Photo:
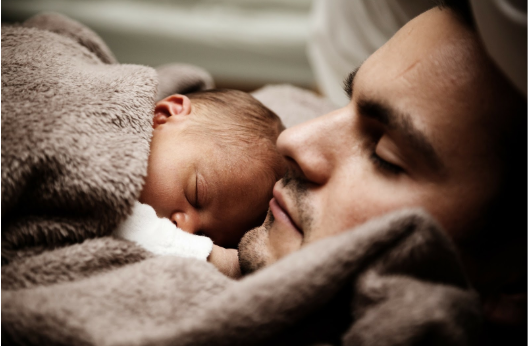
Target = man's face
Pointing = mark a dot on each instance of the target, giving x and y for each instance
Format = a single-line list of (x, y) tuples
[(418, 132), (202, 187)]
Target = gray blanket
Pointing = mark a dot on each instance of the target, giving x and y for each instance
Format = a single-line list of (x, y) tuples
[(75, 141)]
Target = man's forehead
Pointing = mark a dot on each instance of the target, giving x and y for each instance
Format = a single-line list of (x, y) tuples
[(433, 42), (422, 70), (434, 91)]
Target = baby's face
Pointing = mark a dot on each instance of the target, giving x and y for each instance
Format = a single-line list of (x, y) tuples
[(202, 188)]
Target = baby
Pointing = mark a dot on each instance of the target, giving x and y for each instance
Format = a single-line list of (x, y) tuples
[(211, 171)]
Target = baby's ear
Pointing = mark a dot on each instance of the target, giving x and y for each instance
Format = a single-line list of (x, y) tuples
[(177, 106)]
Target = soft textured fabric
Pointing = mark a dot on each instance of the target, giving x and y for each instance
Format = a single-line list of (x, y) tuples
[(181, 79), (76, 129), (160, 236), (293, 105), (75, 136), (393, 281)]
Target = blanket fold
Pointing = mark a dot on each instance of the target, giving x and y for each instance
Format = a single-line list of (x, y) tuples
[(167, 300), (64, 26), (76, 128), (75, 138)]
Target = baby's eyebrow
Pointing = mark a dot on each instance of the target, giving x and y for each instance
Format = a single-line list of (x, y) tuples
[(402, 123)]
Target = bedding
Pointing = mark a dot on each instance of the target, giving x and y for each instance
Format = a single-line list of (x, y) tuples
[(76, 127)]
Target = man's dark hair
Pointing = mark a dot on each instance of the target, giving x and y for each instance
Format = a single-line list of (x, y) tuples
[(461, 7)]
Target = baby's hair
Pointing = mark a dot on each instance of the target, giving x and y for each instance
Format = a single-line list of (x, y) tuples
[(236, 119)]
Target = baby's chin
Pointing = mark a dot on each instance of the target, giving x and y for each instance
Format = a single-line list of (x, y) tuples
[(253, 249)]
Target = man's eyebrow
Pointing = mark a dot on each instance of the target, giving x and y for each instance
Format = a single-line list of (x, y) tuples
[(348, 83), (402, 123)]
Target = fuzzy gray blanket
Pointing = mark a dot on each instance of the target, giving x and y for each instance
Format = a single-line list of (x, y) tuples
[(75, 141)]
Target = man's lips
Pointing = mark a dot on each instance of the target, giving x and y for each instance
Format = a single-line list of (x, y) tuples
[(280, 211)]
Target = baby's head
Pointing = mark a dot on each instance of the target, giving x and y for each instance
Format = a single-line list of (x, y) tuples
[(213, 163)]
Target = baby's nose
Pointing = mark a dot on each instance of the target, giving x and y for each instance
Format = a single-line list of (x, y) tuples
[(188, 222)]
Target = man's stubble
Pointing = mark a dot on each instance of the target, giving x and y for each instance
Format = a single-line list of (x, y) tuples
[(253, 249)]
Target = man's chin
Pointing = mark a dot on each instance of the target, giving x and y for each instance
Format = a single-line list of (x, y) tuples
[(253, 249)]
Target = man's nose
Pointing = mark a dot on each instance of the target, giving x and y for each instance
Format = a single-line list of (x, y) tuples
[(310, 145), (186, 220)]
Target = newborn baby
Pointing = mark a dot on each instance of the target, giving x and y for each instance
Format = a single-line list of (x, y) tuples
[(211, 171)]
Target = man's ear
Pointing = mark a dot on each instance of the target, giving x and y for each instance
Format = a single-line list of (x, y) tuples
[(176, 106)]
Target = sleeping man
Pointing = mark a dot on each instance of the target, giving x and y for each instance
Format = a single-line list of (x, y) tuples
[(431, 124)]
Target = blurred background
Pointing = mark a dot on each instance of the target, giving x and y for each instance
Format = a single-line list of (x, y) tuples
[(244, 44)]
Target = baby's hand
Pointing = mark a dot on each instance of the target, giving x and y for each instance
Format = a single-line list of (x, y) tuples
[(226, 260)]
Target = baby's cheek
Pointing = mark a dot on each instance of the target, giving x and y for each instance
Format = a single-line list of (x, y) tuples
[(146, 192), (246, 205), (256, 213), (156, 194)]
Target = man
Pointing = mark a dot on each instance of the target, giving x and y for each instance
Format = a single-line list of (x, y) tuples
[(432, 123)]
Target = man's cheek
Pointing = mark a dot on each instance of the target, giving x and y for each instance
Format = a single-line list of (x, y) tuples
[(337, 212)]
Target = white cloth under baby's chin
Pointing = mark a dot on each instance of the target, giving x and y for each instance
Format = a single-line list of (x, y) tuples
[(160, 236)]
